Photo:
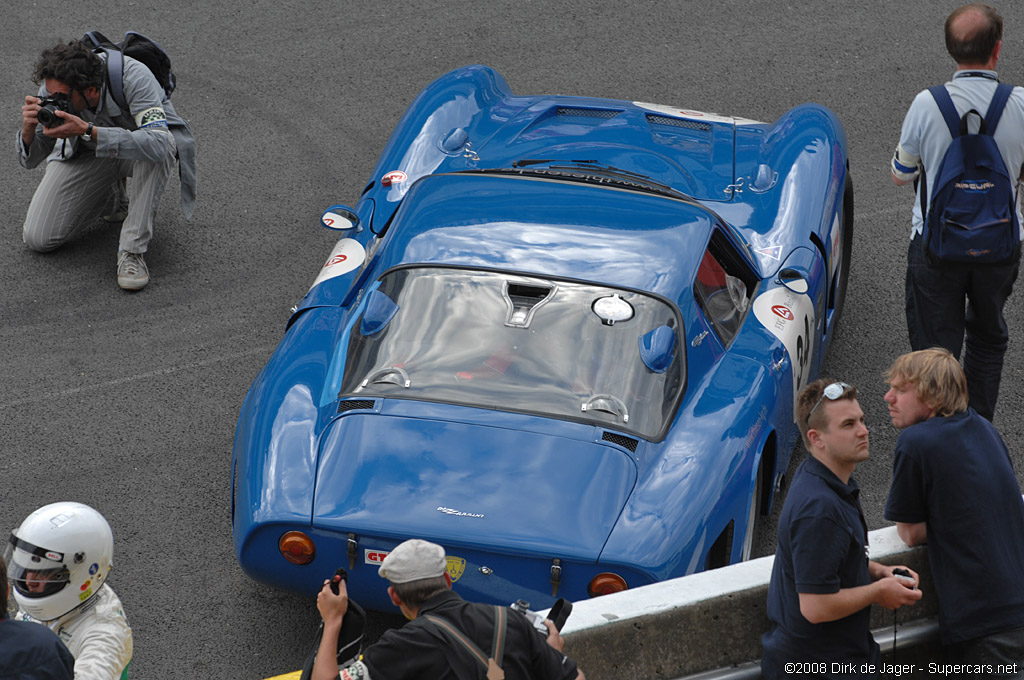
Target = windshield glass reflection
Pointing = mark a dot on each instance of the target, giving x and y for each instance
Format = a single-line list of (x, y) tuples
[(517, 343)]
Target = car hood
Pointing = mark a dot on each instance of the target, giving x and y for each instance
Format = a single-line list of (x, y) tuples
[(469, 484)]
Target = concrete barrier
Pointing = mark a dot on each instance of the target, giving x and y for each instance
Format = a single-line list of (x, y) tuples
[(709, 621)]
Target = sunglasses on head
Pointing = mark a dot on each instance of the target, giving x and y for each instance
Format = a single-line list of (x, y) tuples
[(832, 391)]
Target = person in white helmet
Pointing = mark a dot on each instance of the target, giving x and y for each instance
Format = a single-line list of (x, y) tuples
[(58, 562)]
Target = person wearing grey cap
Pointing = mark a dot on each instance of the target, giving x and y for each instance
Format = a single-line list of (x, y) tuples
[(446, 638)]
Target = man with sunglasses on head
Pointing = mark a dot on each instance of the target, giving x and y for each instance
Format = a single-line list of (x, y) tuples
[(954, 488), (91, 146), (822, 582)]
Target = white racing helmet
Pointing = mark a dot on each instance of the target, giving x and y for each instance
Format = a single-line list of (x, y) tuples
[(58, 559)]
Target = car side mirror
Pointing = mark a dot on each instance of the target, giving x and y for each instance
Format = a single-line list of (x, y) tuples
[(339, 218)]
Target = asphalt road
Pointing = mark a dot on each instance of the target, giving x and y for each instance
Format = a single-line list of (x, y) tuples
[(128, 401)]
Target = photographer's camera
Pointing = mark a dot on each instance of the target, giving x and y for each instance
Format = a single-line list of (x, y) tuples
[(47, 115)]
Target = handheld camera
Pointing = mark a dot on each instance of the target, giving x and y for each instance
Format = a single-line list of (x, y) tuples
[(47, 115)]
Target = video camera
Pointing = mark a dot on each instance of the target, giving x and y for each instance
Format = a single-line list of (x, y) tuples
[(47, 115)]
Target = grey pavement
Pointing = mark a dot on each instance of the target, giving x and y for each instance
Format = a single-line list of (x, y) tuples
[(128, 402)]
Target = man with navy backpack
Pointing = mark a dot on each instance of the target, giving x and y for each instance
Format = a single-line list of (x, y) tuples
[(95, 125), (962, 144)]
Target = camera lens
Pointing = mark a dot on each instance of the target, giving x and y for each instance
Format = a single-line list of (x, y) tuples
[(47, 117)]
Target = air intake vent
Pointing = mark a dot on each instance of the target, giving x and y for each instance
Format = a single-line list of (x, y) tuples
[(354, 404), (587, 113), (678, 122), (622, 440)]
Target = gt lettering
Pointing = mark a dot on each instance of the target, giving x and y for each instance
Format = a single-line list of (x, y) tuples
[(375, 556)]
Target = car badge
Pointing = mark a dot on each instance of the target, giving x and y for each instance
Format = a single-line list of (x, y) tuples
[(455, 567), (459, 513)]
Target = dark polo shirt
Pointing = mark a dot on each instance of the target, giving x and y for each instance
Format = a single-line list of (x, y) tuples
[(822, 548)]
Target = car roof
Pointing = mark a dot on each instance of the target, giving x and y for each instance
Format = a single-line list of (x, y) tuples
[(554, 228)]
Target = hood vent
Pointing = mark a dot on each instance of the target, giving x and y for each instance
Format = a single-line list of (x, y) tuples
[(678, 122), (580, 112), (354, 404), (622, 440)]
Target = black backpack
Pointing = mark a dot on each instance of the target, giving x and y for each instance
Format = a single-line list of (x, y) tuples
[(972, 217), (138, 47)]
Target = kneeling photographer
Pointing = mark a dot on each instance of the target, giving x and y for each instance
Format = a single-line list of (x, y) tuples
[(92, 144), (446, 638)]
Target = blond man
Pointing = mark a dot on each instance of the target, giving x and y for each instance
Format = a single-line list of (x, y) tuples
[(954, 487)]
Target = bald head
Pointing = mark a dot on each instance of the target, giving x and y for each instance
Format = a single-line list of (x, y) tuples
[(973, 35)]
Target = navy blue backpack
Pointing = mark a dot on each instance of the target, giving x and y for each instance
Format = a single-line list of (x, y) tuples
[(972, 217)]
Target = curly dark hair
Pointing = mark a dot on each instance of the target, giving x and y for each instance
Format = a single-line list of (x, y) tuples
[(73, 64)]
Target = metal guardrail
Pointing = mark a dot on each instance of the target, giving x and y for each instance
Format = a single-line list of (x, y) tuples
[(907, 635)]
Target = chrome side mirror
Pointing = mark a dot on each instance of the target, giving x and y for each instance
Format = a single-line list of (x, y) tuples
[(339, 218)]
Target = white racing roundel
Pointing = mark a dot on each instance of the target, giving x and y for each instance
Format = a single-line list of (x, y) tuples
[(347, 255), (790, 318)]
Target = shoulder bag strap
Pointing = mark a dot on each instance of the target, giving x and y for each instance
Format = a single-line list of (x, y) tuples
[(498, 642), (454, 633)]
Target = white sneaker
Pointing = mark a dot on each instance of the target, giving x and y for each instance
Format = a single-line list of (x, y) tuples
[(131, 271)]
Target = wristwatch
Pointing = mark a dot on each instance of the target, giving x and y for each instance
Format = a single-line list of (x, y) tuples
[(88, 133)]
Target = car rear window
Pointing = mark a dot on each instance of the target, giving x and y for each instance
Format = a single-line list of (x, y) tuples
[(555, 348)]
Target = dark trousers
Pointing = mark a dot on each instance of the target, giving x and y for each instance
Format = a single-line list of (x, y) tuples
[(945, 302), (1004, 652)]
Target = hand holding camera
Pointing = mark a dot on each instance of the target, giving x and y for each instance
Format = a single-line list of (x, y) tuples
[(55, 113), (905, 576)]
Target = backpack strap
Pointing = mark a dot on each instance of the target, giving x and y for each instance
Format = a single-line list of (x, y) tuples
[(947, 108), (996, 106), (115, 67)]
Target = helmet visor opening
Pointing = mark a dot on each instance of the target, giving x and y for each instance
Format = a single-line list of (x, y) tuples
[(33, 571)]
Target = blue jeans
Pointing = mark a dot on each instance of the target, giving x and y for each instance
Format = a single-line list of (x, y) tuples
[(945, 302)]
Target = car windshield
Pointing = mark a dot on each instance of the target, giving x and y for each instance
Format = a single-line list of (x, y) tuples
[(549, 347)]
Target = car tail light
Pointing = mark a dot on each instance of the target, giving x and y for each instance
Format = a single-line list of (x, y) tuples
[(605, 584), (297, 547)]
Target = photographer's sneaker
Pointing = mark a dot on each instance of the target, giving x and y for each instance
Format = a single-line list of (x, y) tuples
[(131, 271)]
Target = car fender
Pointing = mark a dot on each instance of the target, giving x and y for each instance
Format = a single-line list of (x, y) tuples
[(792, 176), (474, 99), (274, 455), (700, 499)]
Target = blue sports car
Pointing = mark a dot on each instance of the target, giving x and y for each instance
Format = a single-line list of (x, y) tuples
[(560, 336)]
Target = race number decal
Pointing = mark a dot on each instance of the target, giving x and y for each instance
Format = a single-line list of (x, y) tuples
[(790, 317), (348, 255)]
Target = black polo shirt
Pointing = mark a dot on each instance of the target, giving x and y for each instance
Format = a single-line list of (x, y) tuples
[(417, 651), (955, 474), (822, 548)]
